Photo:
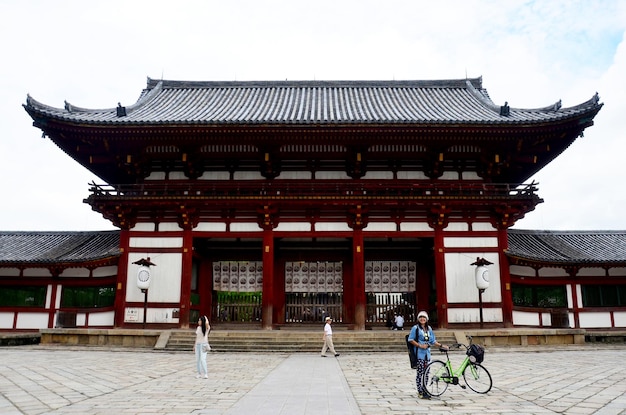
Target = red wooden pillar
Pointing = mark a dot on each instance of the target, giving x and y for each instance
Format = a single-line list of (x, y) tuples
[(505, 279), (54, 287), (358, 280), (267, 303), (440, 279), (185, 282), (122, 279)]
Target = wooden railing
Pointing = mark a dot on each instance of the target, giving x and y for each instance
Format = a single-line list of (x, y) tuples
[(298, 189)]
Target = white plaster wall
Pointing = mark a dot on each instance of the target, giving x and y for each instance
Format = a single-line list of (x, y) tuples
[(75, 272), (470, 175), (81, 319), (156, 175), (100, 319), (449, 175), (590, 320), (474, 242), (617, 272), (570, 297), (57, 301), (579, 294), (155, 242), (522, 271), (522, 318), (210, 227), (591, 272), (461, 281), (9, 272), (248, 175), (331, 175), (293, 227), (412, 175), (37, 272), (300, 175), (105, 271), (620, 318), (332, 226), (457, 226), (169, 227), (380, 226), (482, 226), (165, 281), (383, 175), (153, 315), (245, 227), (177, 175), (6, 320), (32, 320), (215, 175), (415, 227), (552, 272), (472, 315), (144, 226)]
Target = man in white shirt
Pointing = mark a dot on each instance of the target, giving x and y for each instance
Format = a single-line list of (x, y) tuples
[(399, 322), (328, 338)]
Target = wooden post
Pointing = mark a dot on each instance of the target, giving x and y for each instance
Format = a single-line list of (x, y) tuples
[(358, 279), (267, 303)]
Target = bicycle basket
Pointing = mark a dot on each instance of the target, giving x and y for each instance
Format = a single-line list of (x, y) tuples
[(476, 353)]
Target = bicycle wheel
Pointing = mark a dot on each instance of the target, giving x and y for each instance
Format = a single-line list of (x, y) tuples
[(477, 378), (436, 378)]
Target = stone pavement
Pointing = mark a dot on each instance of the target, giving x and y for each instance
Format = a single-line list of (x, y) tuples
[(59, 380)]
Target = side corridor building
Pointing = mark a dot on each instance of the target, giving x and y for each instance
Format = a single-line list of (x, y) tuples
[(272, 204)]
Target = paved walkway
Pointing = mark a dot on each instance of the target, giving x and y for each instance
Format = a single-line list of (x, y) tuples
[(57, 380)]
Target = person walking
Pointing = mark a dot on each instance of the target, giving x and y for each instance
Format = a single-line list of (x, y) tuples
[(201, 346), (422, 338), (328, 338)]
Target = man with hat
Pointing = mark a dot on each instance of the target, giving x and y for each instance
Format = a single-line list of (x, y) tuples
[(328, 338)]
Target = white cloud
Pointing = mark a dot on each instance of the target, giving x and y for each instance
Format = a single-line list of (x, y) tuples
[(95, 54)]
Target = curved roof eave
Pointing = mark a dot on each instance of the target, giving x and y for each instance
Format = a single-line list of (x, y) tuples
[(154, 110)]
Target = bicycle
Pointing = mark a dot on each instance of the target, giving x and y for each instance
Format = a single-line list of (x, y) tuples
[(438, 375)]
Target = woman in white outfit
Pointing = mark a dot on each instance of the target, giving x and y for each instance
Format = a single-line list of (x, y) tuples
[(201, 346)]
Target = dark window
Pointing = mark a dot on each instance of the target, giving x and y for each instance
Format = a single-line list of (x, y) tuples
[(88, 297), (544, 296), (23, 296), (604, 295)]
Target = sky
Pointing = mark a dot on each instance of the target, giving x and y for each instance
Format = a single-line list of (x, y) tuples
[(95, 54)]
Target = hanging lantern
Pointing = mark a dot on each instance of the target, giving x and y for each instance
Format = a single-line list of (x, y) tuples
[(143, 273), (482, 277), (143, 277), (481, 273)]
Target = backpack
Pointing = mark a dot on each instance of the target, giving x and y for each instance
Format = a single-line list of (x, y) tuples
[(412, 354), (476, 353)]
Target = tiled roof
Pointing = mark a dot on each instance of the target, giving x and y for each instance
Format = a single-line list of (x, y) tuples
[(313, 102), (568, 247), (57, 247), (557, 247)]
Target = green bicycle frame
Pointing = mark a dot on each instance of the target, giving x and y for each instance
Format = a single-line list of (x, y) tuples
[(438, 375)]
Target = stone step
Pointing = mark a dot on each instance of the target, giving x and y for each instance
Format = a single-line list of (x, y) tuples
[(298, 340)]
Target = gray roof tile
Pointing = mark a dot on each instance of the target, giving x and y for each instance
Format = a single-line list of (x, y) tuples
[(312, 102), (568, 247), (558, 247), (57, 247)]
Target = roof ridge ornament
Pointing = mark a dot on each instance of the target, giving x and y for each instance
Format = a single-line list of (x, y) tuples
[(505, 110), (484, 100), (121, 111)]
